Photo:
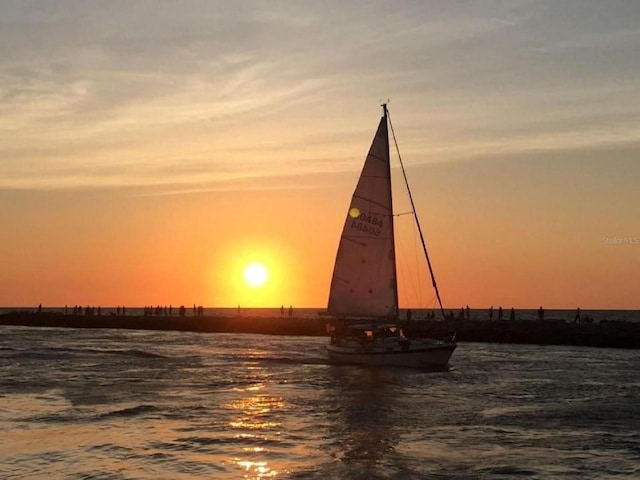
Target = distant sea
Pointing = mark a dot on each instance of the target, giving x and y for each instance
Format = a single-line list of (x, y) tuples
[(116, 404), (480, 314)]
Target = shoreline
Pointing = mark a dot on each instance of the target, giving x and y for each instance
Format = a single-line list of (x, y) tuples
[(607, 334)]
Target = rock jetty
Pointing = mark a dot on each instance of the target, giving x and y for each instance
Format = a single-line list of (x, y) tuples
[(609, 334)]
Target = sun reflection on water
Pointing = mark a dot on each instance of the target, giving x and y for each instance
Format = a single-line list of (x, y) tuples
[(254, 416), (256, 469)]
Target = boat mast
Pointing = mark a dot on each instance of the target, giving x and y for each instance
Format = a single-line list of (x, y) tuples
[(396, 313), (415, 215)]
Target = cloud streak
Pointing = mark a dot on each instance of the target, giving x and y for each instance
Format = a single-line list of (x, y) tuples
[(154, 92)]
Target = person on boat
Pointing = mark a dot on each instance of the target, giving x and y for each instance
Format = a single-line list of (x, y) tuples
[(333, 333), (368, 339)]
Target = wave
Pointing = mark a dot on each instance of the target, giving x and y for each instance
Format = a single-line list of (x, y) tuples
[(133, 353), (53, 352), (205, 444), (130, 412), (75, 416), (291, 360), (294, 359)]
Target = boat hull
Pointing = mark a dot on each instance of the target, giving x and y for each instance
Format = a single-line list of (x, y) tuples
[(430, 356)]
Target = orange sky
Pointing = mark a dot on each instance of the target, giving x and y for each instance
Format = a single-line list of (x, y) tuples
[(501, 233), (147, 159)]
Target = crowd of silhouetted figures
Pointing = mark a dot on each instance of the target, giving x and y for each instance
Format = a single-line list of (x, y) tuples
[(149, 311), (465, 314), (88, 311), (167, 311)]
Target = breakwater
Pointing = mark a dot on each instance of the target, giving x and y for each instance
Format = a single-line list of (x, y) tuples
[(611, 334)]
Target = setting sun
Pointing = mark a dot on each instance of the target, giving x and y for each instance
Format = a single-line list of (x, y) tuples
[(256, 274)]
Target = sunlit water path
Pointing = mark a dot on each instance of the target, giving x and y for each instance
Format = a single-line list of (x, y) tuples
[(137, 405)]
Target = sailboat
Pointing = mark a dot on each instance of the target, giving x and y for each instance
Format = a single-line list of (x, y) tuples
[(363, 298)]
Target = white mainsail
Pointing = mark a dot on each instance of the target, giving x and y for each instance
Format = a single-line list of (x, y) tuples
[(364, 276)]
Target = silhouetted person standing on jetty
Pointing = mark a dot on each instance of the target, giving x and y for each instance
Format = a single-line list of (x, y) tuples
[(290, 310), (499, 314), (491, 313), (577, 319), (512, 315), (282, 310), (468, 311), (541, 313)]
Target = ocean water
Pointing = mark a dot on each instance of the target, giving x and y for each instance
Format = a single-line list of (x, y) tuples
[(112, 404)]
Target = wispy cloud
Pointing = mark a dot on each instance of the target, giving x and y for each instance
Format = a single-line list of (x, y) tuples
[(154, 93)]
